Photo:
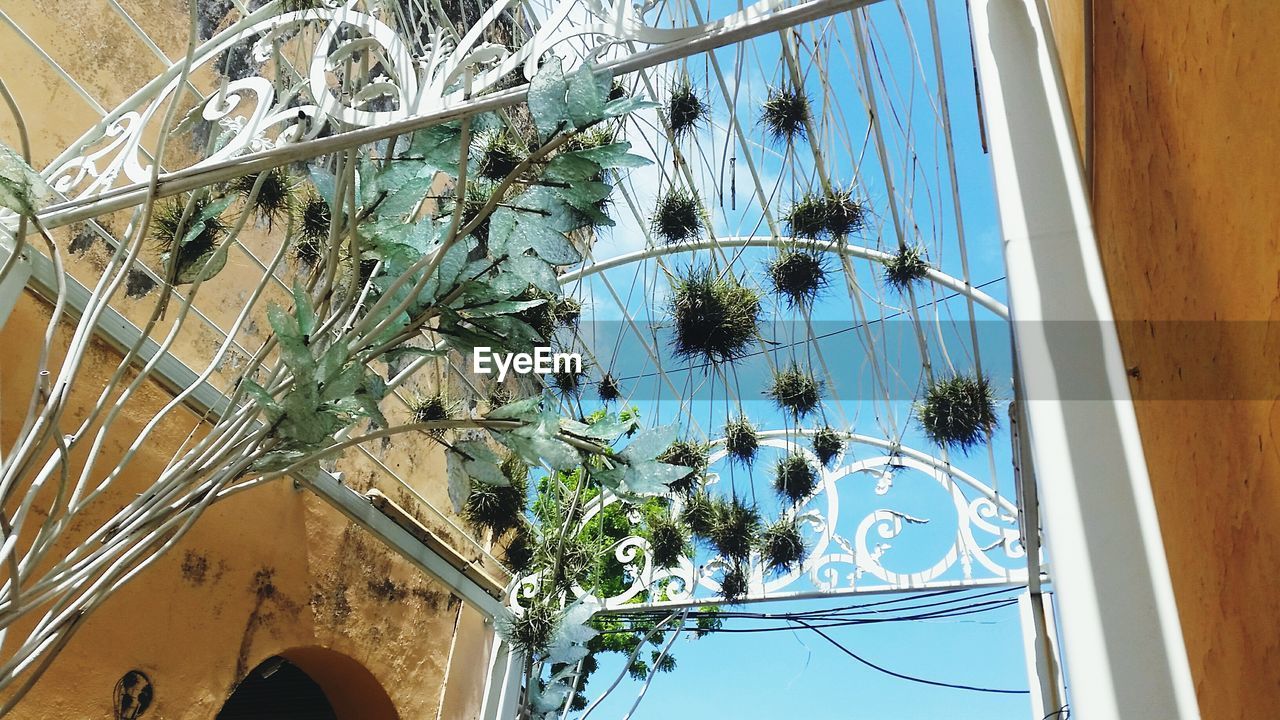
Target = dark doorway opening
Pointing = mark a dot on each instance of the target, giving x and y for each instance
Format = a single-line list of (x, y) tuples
[(277, 690)]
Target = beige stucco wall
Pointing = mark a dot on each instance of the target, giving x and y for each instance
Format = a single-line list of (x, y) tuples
[(1184, 188), (273, 570)]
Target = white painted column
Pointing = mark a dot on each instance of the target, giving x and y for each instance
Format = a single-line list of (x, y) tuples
[(502, 686), (1121, 637), (12, 284)]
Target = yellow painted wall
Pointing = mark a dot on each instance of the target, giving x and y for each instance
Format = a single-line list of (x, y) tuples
[(271, 571), (1184, 188)]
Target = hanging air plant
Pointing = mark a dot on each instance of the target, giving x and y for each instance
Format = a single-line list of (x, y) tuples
[(733, 584), (667, 538), (715, 317), (531, 631), (313, 228), (677, 217), (499, 396), (794, 478), (519, 553), (782, 547), (495, 507), (432, 408), (827, 444), (552, 314), (958, 412), (276, 196), (798, 276), (687, 454), (906, 268), (193, 241), (795, 391), (607, 389), (825, 216), (741, 440), (568, 380), (501, 154), (785, 114), (700, 512), (735, 529), (685, 109)]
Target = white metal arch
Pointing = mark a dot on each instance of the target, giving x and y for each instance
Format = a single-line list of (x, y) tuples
[(933, 274)]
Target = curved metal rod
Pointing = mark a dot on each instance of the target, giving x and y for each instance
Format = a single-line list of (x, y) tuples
[(933, 274)]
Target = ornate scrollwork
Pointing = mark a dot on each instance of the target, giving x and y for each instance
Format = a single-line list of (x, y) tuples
[(858, 554), (360, 73)]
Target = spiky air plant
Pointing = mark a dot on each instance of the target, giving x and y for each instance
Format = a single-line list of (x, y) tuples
[(568, 380), (700, 512), (794, 478), (795, 391), (785, 113), (476, 196), (276, 196), (733, 584), (741, 440), (735, 529), (958, 412), (519, 552), (827, 444), (168, 230), (500, 395), (501, 153), (432, 408), (495, 507), (820, 216), (607, 389), (798, 276), (905, 268), (314, 218), (687, 454), (552, 314), (667, 538), (531, 631), (677, 217), (715, 317), (782, 546), (686, 109)]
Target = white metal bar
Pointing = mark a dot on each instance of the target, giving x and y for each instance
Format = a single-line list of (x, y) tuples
[(1121, 635)]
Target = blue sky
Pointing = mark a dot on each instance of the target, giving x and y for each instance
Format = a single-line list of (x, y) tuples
[(797, 673)]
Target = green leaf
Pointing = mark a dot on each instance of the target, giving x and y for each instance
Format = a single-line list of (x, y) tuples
[(533, 271), (203, 267), (326, 185), (302, 307), (525, 409), (263, 399), (584, 101), (547, 93), (613, 155), (21, 187), (650, 443), (459, 481), (624, 106)]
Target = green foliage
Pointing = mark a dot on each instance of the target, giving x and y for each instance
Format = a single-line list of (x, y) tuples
[(715, 316), (785, 113), (782, 546), (22, 190), (314, 219), (499, 508), (905, 268), (688, 454), (531, 631), (668, 539), (827, 443), (678, 217), (825, 216), (500, 155), (794, 478), (958, 412), (686, 109), (741, 440), (798, 276), (795, 391), (699, 514)]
